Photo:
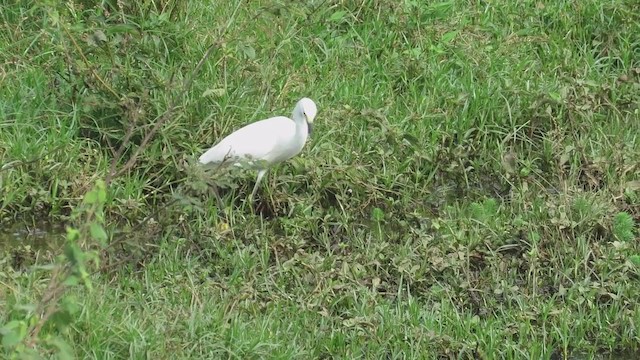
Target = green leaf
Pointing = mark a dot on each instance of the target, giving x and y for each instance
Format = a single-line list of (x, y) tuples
[(623, 226), (247, 50), (337, 16), (72, 234), (449, 36), (54, 16), (99, 36), (557, 97), (490, 206), (13, 332), (534, 236), (97, 195), (377, 214), (64, 350), (635, 259), (71, 304), (71, 280), (91, 197), (98, 233), (61, 319), (102, 191), (439, 10), (73, 253)]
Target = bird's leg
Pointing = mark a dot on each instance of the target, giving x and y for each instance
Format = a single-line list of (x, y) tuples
[(255, 188), (218, 198)]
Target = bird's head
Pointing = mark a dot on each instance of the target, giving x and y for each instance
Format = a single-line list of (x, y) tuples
[(307, 110)]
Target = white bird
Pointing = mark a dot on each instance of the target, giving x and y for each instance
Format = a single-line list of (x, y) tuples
[(265, 143)]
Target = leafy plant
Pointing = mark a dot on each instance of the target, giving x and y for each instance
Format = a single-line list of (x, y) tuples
[(41, 325), (623, 226)]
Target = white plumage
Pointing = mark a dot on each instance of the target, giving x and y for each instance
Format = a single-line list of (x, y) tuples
[(265, 143)]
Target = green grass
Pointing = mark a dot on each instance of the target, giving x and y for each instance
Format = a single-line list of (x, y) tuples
[(470, 188)]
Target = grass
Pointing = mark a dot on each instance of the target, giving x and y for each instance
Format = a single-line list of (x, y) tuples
[(470, 188)]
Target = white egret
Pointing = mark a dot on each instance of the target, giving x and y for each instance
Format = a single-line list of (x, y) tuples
[(265, 143)]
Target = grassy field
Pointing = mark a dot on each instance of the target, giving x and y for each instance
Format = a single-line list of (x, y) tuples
[(470, 190)]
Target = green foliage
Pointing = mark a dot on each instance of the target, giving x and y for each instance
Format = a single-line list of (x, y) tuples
[(484, 211), (623, 226), (470, 190), (377, 215), (12, 333), (40, 325)]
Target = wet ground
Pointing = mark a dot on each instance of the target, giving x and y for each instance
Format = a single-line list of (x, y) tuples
[(39, 236)]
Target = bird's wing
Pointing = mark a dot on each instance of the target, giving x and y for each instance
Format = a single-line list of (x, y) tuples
[(256, 141)]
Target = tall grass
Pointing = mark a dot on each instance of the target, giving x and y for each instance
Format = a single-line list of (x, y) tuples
[(470, 188)]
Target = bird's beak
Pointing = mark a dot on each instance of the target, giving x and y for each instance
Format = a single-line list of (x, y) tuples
[(309, 123)]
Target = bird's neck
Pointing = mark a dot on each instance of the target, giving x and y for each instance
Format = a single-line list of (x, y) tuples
[(302, 128)]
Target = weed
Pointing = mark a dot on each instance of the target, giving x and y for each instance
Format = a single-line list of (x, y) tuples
[(470, 189)]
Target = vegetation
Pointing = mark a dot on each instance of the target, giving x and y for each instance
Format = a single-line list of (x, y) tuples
[(470, 188)]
